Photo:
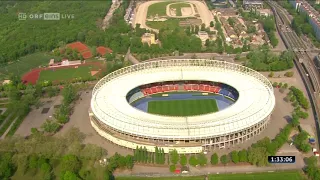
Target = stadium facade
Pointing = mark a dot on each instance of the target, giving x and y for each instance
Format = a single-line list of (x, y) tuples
[(115, 119)]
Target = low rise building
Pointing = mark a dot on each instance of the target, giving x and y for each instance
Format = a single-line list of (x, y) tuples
[(148, 38), (252, 4), (264, 12), (226, 11), (231, 33), (203, 35)]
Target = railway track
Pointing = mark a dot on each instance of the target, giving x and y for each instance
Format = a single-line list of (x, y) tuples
[(305, 65)]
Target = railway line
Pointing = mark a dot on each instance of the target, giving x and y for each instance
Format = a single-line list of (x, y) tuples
[(303, 61)]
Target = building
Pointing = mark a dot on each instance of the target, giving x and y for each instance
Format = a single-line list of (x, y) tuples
[(203, 35), (252, 4), (114, 117), (148, 38), (226, 11), (264, 12), (314, 17), (231, 33)]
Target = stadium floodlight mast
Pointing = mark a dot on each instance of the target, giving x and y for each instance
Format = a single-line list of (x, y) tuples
[(116, 120)]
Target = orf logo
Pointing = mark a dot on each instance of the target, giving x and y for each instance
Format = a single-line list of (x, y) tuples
[(22, 16)]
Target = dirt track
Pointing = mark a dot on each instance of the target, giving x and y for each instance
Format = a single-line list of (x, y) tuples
[(142, 10)]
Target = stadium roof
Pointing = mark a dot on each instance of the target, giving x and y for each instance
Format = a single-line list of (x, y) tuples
[(255, 103)]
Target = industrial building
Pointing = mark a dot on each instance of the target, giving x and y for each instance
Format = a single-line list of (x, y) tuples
[(252, 4)]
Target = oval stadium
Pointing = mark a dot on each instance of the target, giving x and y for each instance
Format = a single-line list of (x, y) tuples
[(191, 105)]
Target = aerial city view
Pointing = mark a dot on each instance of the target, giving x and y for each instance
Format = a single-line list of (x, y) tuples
[(160, 90)]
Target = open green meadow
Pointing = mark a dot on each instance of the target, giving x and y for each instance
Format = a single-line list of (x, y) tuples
[(158, 9), (25, 64), (169, 23), (178, 7), (65, 74), (293, 175), (183, 107)]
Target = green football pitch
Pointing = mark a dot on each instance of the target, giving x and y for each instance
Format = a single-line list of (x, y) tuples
[(65, 74), (183, 107)]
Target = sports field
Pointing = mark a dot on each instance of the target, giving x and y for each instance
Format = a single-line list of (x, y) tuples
[(294, 175), (25, 64), (65, 74), (183, 107)]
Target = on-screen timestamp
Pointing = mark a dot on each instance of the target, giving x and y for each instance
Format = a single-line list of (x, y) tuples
[(281, 159)]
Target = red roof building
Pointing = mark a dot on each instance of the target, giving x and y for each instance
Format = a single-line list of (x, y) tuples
[(103, 50)]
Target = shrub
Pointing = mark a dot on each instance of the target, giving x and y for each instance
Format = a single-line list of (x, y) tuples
[(281, 90), (289, 74), (271, 74), (275, 84), (172, 168)]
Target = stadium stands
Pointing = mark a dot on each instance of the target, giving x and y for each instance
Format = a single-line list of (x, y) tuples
[(198, 86)]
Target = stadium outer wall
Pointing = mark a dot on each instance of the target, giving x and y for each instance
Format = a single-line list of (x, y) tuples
[(131, 141)]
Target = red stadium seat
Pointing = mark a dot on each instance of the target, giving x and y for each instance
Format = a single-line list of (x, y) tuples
[(176, 87), (159, 88), (185, 87), (171, 88), (212, 89), (201, 87), (148, 90), (206, 88), (196, 87), (188, 87), (154, 90), (165, 88), (144, 92)]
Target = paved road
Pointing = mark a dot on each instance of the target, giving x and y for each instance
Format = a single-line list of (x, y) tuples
[(107, 18)]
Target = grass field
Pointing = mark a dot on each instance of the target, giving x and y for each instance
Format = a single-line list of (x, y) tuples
[(66, 74), (183, 107), (25, 64), (293, 175), (158, 9), (170, 23), (178, 7)]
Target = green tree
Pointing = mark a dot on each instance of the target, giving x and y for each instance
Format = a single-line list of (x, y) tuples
[(234, 157), (172, 168), (174, 156), (214, 159), (258, 156), (193, 161), (50, 126), (183, 159), (211, 24), (243, 156), (70, 163), (202, 159), (224, 159)]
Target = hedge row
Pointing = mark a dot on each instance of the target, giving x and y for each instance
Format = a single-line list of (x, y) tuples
[(16, 125), (7, 124)]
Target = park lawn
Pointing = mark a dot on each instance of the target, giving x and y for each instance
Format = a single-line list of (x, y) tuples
[(25, 64), (65, 74), (178, 7), (169, 23), (158, 9), (292, 175), (183, 107)]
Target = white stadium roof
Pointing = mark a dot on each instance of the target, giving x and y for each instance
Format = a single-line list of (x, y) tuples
[(255, 103)]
